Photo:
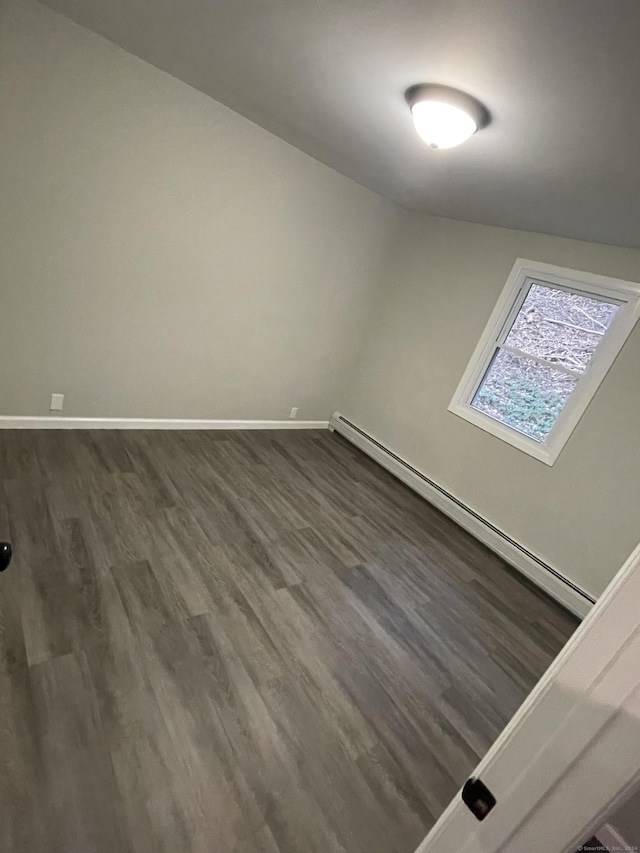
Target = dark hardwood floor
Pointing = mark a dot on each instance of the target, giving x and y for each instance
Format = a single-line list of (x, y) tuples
[(244, 642)]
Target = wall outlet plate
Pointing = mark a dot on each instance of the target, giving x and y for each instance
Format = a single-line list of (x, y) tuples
[(293, 413), (57, 402)]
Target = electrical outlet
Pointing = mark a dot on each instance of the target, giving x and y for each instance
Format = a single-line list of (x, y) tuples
[(293, 413), (57, 402)]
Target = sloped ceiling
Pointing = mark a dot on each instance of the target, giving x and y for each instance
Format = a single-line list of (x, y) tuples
[(560, 77)]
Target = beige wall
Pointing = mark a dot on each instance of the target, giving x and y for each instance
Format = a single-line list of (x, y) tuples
[(162, 256), (583, 514)]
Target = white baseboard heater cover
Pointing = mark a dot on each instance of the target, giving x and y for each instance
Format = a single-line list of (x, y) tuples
[(569, 594)]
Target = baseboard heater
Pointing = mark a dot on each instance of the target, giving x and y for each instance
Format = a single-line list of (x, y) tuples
[(543, 575)]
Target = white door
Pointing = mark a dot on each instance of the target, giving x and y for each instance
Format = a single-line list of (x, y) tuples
[(572, 751)]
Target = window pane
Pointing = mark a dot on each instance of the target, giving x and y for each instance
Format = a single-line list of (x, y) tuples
[(561, 327), (523, 394)]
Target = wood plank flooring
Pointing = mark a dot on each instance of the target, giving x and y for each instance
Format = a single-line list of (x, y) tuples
[(243, 642)]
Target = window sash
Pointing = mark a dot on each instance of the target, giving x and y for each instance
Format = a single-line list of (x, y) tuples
[(500, 344), (521, 354)]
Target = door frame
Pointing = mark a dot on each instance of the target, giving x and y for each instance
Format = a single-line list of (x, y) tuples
[(571, 753)]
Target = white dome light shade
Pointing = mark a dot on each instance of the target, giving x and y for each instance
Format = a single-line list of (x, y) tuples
[(445, 117), (442, 125)]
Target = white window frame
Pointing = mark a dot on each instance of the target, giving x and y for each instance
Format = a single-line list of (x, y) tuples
[(624, 293)]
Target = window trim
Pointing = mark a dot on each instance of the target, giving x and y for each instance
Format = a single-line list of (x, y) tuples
[(624, 293)]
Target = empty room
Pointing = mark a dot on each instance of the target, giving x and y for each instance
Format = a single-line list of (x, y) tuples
[(319, 410)]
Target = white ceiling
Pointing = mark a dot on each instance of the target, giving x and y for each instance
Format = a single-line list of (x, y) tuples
[(560, 77)]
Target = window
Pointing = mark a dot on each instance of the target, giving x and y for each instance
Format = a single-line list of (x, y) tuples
[(548, 345)]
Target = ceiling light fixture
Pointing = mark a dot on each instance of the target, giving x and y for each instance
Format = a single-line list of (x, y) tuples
[(445, 117)]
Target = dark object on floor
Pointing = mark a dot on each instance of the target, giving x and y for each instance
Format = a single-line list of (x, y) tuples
[(5, 555), (247, 642)]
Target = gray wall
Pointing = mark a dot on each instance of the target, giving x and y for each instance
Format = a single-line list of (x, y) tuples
[(161, 255), (441, 283)]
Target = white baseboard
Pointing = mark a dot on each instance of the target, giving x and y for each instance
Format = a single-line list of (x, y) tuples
[(609, 836), (8, 422), (544, 576)]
